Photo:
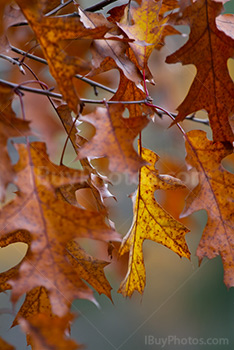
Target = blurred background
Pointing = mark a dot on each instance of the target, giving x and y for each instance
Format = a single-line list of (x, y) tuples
[(181, 299)]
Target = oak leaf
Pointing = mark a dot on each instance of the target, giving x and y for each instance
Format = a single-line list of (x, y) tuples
[(208, 49), (49, 334), (50, 31), (88, 268), (147, 28), (128, 91), (36, 302), (226, 24), (214, 193), (5, 346), (152, 222), (114, 139), (50, 224), (10, 126), (110, 52), (97, 183)]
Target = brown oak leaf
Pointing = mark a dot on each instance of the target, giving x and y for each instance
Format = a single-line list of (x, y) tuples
[(114, 139), (5, 346), (49, 334), (88, 268), (208, 49), (51, 223), (214, 193), (10, 126)]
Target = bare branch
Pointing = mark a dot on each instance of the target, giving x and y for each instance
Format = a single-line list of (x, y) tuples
[(100, 5), (56, 9), (59, 96), (189, 117), (13, 61)]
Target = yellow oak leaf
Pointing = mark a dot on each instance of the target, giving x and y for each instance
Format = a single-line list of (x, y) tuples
[(146, 28), (214, 193), (152, 222)]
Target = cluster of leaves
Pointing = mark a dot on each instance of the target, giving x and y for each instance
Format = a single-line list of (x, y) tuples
[(46, 214)]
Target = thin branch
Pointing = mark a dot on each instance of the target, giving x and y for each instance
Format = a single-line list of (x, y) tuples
[(56, 9), (13, 61), (198, 120), (78, 76), (59, 96), (189, 117), (29, 55), (100, 5)]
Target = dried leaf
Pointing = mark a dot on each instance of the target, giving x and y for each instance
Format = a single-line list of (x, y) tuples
[(214, 193), (5, 346), (49, 334), (88, 268), (147, 28), (226, 24), (114, 139), (36, 302), (208, 49), (6, 276), (51, 223), (96, 182), (109, 53), (152, 222), (50, 31), (10, 126)]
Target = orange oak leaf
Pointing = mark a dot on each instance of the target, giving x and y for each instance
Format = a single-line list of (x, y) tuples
[(10, 126), (5, 346), (147, 28), (208, 49), (50, 223), (152, 222), (214, 193), (50, 31), (49, 334), (114, 139), (88, 268)]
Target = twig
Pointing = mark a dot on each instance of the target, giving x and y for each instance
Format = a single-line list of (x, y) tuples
[(189, 117), (198, 120), (100, 5), (56, 9), (13, 61), (78, 76)]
